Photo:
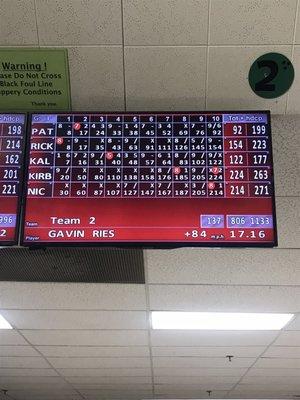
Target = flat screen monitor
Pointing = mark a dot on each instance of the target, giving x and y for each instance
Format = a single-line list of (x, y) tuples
[(12, 140), (150, 179)]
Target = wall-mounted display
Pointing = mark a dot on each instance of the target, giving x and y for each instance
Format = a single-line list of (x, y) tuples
[(150, 179)]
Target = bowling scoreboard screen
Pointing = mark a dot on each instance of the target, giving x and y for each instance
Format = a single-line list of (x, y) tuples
[(12, 138), (150, 179)]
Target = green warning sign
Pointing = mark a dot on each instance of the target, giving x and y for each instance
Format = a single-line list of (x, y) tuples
[(271, 75), (34, 80)]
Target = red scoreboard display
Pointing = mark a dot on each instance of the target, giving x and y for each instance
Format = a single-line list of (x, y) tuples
[(12, 137), (150, 179)]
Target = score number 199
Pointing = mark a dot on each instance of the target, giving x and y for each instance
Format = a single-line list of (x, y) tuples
[(256, 130)]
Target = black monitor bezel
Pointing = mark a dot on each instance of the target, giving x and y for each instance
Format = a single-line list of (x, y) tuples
[(145, 245), (23, 164)]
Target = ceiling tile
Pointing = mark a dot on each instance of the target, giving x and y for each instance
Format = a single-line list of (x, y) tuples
[(286, 154), (141, 362), (261, 395), (23, 362), (297, 39), (277, 363), (59, 319), (195, 380), (115, 397), (19, 380), (287, 214), (18, 14), (265, 387), (91, 68), (197, 394), (217, 351), (92, 351), (224, 298), (257, 394), (152, 23), (18, 351), (100, 388), (179, 70), (198, 362), (115, 393), (72, 296), (44, 396), (288, 338), (105, 372), (192, 372), (41, 394), (230, 266), (69, 22), (92, 338), (277, 380), (37, 385), (185, 390), (283, 352), (27, 372), (118, 395), (106, 380), (48, 396), (293, 100), (11, 337), (113, 387), (281, 372), (212, 338), (252, 22)]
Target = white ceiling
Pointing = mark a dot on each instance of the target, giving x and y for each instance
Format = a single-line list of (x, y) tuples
[(94, 341)]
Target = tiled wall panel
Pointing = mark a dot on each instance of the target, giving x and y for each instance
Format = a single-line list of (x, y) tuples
[(170, 54)]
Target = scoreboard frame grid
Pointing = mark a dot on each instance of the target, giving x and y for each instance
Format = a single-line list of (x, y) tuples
[(22, 183), (148, 244)]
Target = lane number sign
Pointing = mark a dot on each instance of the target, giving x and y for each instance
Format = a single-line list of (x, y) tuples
[(271, 75)]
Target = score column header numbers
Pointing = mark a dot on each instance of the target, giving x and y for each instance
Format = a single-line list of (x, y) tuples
[(191, 178), (225, 118)]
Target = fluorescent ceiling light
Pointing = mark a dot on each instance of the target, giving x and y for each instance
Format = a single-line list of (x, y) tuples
[(4, 324), (219, 321)]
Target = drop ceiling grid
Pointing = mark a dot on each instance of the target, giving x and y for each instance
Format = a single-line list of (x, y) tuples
[(170, 296), (168, 370), (134, 301), (49, 364), (56, 299), (176, 301), (252, 367), (23, 333)]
